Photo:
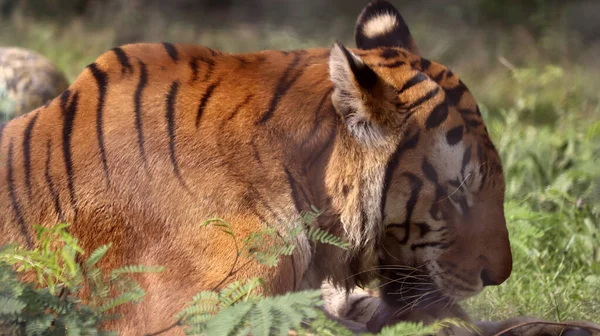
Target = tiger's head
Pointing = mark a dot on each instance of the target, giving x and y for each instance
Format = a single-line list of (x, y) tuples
[(430, 189)]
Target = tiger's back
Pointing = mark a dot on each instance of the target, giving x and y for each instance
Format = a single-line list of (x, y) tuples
[(148, 130)]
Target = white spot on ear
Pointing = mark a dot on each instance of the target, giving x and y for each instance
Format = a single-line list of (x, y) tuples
[(380, 25)]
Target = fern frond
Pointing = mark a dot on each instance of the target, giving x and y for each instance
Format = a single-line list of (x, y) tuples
[(39, 325), (97, 255), (10, 306), (230, 321), (316, 234), (238, 290), (322, 325), (126, 297), (204, 303), (136, 269), (221, 224)]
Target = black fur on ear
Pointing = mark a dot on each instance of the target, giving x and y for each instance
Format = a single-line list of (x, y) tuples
[(365, 77), (381, 25)]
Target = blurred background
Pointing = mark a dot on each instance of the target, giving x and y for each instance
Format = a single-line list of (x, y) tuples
[(533, 65)]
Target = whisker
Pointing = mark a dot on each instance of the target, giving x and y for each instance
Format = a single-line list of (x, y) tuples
[(420, 294), (390, 267)]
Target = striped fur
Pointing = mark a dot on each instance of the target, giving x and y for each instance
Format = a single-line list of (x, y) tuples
[(153, 139)]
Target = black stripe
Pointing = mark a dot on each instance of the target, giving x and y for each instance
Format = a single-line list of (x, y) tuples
[(316, 120), (388, 65), (416, 79), (350, 313), (415, 188), (170, 116), (137, 101), (12, 193), (439, 76), (455, 94), (439, 245), (171, 50), (213, 52), (241, 59), (403, 145), (389, 53), (429, 95), (102, 81), (429, 171), (438, 115), (236, 110), (282, 87), (27, 152), (472, 123), (207, 94), (454, 135), (209, 70), (424, 228), (255, 151), (68, 120), (194, 68), (51, 185), (424, 64), (294, 191), (123, 59)]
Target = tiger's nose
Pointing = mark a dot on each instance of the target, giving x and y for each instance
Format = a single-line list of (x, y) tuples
[(489, 280)]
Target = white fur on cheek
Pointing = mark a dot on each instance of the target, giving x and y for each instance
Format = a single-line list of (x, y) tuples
[(447, 159), (380, 25)]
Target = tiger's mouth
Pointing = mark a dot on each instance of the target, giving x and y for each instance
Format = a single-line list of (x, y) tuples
[(407, 289)]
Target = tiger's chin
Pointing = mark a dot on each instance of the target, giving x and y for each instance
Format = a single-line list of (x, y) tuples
[(425, 311), (405, 291), (454, 284)]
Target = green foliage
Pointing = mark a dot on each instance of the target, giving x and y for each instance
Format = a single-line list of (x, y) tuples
[(52, 263), (552, 204), (240, 308), (322, 325), (268, 316), (53, 306), (316, 234)]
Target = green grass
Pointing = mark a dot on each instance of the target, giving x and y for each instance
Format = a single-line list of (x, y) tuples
[(543, 116), (552, 170)]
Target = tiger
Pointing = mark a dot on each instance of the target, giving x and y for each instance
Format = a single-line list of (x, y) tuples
[(27, 81), (152, 139)]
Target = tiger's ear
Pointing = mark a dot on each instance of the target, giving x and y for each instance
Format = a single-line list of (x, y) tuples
[(358, 93), (381, 25)]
